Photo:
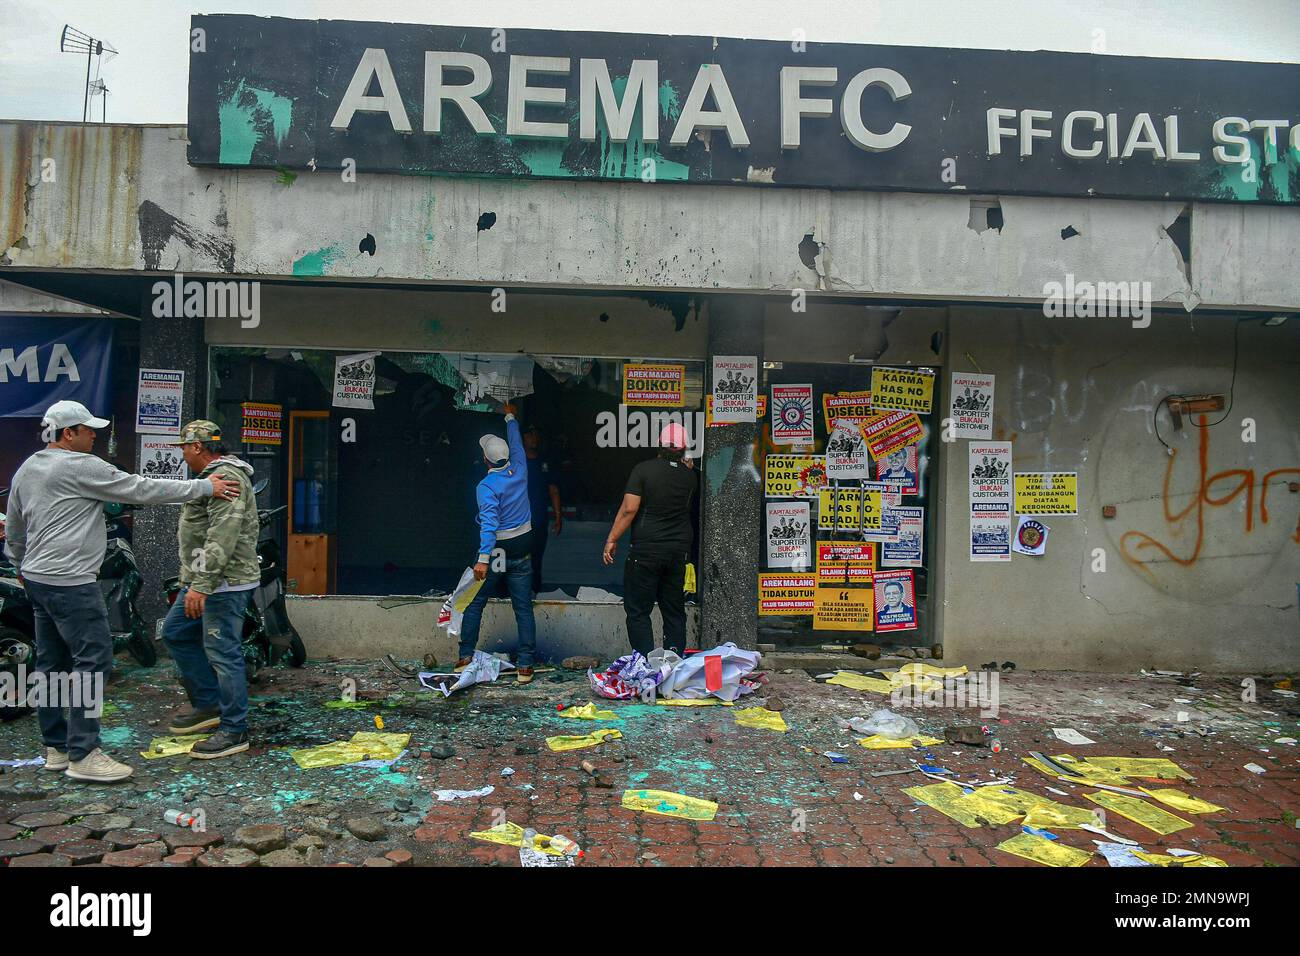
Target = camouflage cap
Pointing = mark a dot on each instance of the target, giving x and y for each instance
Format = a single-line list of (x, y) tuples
[(201, 430)]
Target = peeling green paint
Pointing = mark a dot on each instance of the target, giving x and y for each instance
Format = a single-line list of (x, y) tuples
[(237, 122), (315, 263), (1273, 179), (624, 160)]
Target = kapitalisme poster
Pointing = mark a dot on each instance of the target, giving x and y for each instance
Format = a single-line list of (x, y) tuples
[(789, 538), (354, 380), (792, 414), (735, 388), (895, 601), (972, 405), (160, 460), (846, 453), (990, 500)]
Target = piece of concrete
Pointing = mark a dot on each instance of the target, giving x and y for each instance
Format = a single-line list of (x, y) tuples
[(228, 856), (261, 837), (369, 829)]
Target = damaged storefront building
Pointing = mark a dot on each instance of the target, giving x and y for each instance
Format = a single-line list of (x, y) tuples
[(966, 358)]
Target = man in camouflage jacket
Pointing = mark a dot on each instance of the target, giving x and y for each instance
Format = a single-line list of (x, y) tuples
[(219, 571)]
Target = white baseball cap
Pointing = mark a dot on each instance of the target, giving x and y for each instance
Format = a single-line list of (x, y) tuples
[(66, 414), (494, 449)]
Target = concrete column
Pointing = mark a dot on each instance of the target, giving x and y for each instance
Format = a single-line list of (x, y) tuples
[(167, 344), (732, 489)]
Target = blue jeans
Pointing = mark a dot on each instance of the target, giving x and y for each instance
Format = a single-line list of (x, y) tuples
[(209, 654), (72, 636), (519, 580)]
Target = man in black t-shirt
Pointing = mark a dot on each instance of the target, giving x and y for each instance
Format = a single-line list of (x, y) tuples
[(657, 505)]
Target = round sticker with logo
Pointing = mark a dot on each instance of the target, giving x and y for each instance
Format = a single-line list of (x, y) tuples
[(1031, 534), (813, 478)]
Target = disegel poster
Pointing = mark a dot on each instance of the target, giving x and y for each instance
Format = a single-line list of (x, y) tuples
[(844, 511), (901, 469), (158, 401), (735, 388), (160, 460), (793, 476), (906, 552), (354, 380), (845, 562), (1047, 492), (792, 414), (910, 389), (890, 430), (263, 424), (785, 594), (853, 406), (709, 420), (843, 609), (895, 601), (972, 405), (789, 535), (846, 453), (990, 500), (654, 386)]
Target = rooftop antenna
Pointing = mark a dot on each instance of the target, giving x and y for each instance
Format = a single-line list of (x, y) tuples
[(73, 40), (97, 88)]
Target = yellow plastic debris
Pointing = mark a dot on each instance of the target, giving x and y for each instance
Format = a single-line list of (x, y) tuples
[(1160, 767), (693, 702), (364, 745), (688, 584), (1058, 816), (379, 722), (1139, 811), (1181, 801), (588, 712), (512, 834), (950, 800), (668, 804), (878, 742), (931, 670), (761, 717), (862, 682), (1196, 859), (171, 746), (1042, 850), (1010, 798), (349, 704), (592, 739), (1090, 774)]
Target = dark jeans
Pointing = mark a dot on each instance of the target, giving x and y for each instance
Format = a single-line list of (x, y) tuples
[(209, 654), (518, 576), (649, 577), (72, 635), (540, 533)]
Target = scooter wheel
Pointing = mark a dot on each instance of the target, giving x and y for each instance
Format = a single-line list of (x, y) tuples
[(297, 655), (16, 647), (142, 649)]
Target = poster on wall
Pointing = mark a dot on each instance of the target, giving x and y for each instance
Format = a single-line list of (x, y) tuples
[(972, 405), (849, 509), (901, 469), (990, 500), (654, 386), (789, 538), (843, 609), (158, 401), (908, 389), (850, 406), (895, 601), (845, 562), (785, 594), (263, 424), (160, 460), (887, 431), (710, 421), (1047, 492), (793, 476), (354, 380), (54, 360), (1031, 536), (792, 414), (735, 388), (846, 453), (906, 551)]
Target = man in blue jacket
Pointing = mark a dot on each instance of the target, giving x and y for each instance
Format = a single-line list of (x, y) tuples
[(505, 544)]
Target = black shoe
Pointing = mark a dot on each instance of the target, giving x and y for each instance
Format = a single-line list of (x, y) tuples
[(220, 744), (192, 720)]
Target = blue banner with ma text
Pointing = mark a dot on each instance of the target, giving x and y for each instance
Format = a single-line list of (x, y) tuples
[(44, 360)]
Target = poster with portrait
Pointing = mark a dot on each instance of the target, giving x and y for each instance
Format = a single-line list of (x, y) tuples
[(895, 600), (735, 388), (789, 535), (792, 415), (971, 406), (901, 469)]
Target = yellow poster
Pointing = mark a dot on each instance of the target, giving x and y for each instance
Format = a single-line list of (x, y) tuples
[(785, 594), (793, 476), (851, 505), (840, 562), (1047, 492), (654, 386), (844, 609), (909, 389), (852, 405), (887, 431)]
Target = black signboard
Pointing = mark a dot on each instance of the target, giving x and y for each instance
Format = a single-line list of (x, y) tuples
[(469, 101)]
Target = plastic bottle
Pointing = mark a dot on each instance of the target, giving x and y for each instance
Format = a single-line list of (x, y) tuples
[(565, 845), (179, 818), (530, 838)]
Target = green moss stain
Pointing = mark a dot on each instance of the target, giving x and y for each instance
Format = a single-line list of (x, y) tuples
[(625, 160), (116, 736), (237, 120), (315, 263), (1273, 179)]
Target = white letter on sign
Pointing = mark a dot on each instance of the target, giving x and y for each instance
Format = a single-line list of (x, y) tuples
[(851, 109), (373, 63)]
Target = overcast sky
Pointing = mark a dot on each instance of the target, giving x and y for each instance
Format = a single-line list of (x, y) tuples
[(147, 80)]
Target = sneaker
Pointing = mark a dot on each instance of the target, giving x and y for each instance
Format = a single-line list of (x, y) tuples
[(524, 675), (462, 664), (193, 720), (98, 767), (220, 744), (55, 759)]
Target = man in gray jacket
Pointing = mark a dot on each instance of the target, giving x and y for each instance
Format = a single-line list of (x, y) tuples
[(55, 537)]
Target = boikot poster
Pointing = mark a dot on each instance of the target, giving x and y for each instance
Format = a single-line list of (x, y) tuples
[(654, 386)]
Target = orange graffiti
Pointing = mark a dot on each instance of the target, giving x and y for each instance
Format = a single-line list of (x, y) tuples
[(1245, 483)]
